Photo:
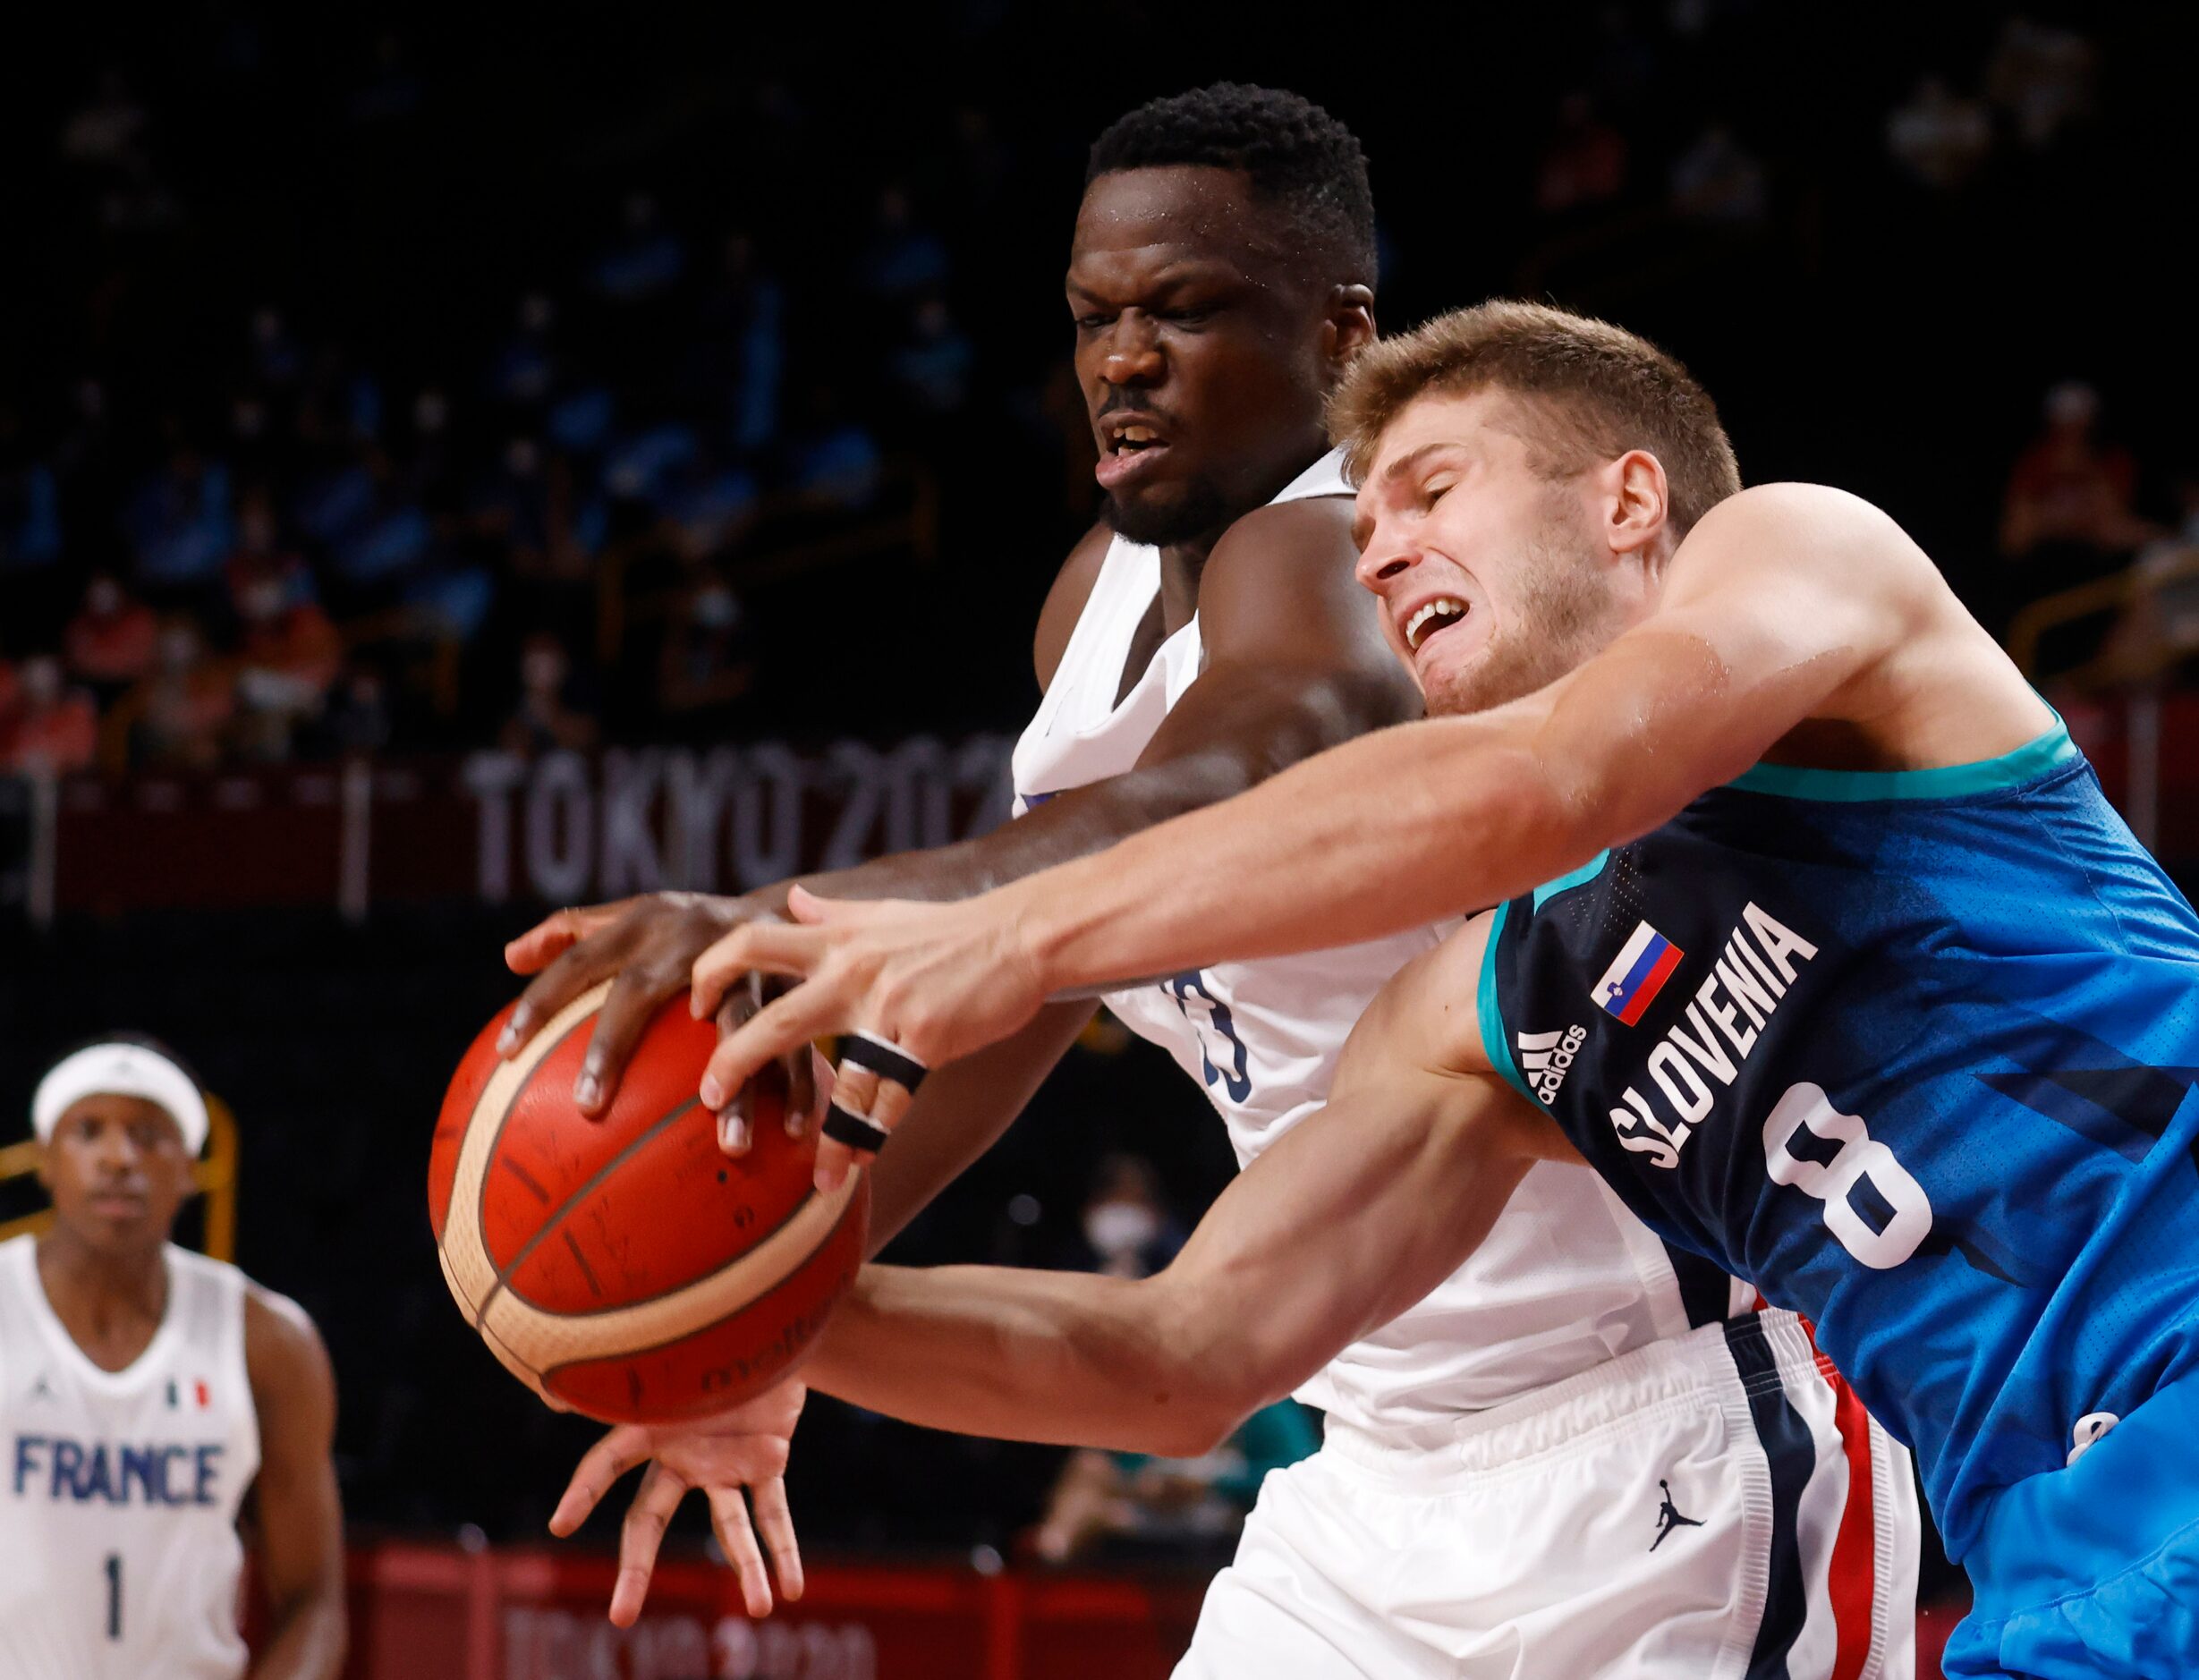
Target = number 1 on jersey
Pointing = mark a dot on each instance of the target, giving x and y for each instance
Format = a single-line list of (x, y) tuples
[(114, 1595)]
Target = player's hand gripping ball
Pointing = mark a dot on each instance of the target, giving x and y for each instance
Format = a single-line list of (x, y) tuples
[(627, 1267)]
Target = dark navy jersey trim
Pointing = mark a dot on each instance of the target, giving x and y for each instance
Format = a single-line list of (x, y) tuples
[(1791, 1457), (1706, 1292), (2029, 761), (1495, 1045)]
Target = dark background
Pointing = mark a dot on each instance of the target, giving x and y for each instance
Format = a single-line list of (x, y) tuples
[(389, 189)]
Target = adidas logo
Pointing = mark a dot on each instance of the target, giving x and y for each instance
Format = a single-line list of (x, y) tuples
[(1545, 1059)]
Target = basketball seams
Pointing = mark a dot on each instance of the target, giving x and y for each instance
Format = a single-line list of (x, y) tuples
[(785, 1280), (555, 1219), (571, 1338), (472, 1272)]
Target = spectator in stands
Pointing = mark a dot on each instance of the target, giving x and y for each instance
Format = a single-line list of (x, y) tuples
[(545, 718), (29, 501), (2067, 514), (53, 727), (183, 708), (525, 368), (740, 349), (1127, 1227), (1718, 181), (902, 258), (707, 659), (111, 641), (288, 659), (833, 463), (359, 719), (1584, 164), (933, 364), (645, 258), (1939, 138), (179, 519), (2041, 78)]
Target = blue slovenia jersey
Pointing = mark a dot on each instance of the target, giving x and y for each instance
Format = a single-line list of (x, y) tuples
[(1915, 1054)]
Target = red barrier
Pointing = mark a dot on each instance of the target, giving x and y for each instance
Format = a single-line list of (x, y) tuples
[(531, 1614)]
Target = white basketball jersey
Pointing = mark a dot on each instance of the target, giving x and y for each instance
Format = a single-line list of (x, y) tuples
[(1568, 1280), (119, 1553)]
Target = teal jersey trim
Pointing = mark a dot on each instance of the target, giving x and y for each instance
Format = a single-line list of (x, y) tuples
[(2033, 758), (1495, 1045), (1581, 877)]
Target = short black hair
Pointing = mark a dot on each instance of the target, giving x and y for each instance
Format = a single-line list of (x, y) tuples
[(1295, 154)]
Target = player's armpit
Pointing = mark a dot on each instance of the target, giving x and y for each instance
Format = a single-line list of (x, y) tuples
[(300, 1512)]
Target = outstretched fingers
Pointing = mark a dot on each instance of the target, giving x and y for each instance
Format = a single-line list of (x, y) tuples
[(600, 1466), (775, 1519), (729, 1517), (646, 1518)]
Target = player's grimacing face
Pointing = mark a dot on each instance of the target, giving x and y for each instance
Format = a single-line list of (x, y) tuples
[(117, 1170), (1200, 350), (1488, 578)]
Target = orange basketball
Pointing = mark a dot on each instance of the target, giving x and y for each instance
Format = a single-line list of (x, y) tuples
[(624, 1267)]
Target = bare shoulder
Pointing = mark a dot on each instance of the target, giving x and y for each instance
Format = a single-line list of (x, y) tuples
[(1309, 538), (1810, 533), (1065, 602), (284, 1354), (1280, 585)]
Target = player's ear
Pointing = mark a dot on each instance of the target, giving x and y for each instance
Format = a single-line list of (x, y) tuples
[(1638, 502), (1350, 325)]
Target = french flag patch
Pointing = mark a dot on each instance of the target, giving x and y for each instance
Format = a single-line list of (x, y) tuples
[(1637, 973)]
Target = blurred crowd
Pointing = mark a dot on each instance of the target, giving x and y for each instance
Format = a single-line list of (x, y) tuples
[(292, 539), (241, 523)]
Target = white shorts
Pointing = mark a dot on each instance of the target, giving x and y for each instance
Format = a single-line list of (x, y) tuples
[(1717, 1506)]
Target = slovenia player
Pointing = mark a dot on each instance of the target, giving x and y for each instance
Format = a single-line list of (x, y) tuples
[(1872, 999)]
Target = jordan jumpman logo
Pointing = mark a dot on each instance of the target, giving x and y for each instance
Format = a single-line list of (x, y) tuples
[(1670, 1518)]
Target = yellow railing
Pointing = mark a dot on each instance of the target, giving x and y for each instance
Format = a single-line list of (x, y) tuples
[(2141, 645), (215, 1174)]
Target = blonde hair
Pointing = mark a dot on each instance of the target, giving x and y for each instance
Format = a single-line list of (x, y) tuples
[(1589, 391)]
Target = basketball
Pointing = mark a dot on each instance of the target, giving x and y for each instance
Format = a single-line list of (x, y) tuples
[(626, 1267)]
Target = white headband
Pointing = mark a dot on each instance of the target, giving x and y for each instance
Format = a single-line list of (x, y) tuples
[(119, 1070)]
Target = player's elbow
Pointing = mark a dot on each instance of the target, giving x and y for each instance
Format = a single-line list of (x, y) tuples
[(1204, 1379)]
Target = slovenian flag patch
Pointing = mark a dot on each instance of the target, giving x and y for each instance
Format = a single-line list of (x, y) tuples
[(1637, 973)]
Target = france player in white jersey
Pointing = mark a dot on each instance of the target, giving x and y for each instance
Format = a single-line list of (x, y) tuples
[(1491, 1492), (146, 1392)]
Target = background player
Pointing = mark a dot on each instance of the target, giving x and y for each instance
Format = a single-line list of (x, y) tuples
[(1880, 1004), (1221, 281), (144, 1389)]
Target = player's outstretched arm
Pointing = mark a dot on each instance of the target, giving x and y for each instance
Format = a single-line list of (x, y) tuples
[(1343, 1223), (301, 1515), (1294, 663), (1787, 604)]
